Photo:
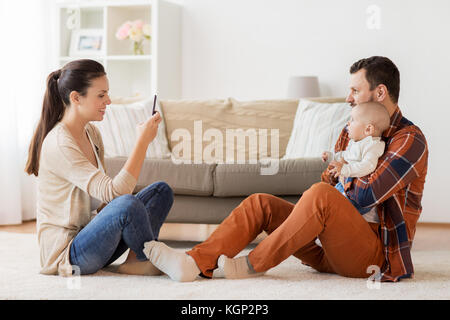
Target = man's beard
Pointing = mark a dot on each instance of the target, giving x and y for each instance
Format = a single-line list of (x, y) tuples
[(371, 99)]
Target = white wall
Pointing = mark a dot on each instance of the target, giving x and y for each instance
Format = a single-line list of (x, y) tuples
[(247, 49)]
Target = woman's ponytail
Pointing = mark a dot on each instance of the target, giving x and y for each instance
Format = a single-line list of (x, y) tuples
[(52, 112), (53, 106), (74, 76)]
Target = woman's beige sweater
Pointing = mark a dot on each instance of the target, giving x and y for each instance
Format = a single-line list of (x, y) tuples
[(66, 181)]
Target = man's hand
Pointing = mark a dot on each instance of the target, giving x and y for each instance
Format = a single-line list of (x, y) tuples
[(336, 167)]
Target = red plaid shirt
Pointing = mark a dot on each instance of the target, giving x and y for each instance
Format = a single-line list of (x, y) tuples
[(395, 188)]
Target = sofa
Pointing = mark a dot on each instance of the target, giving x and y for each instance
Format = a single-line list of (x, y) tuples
[(206, 191)]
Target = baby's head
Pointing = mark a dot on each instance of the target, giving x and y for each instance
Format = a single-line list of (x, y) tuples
[(368, 119)]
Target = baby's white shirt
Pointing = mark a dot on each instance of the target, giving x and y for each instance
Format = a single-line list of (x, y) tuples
[(362, 156)]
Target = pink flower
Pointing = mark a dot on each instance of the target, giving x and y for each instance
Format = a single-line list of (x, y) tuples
[(123, 31), (138, 24)]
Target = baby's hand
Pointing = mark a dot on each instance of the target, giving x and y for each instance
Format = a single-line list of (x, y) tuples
[(325, 156), (336, 167)]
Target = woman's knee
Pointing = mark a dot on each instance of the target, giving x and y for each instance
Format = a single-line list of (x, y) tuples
[(128, 205), (128, 200), (166, 190), (161, 189)]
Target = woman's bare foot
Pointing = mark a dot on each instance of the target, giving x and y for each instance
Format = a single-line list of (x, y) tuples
[(140, 268)]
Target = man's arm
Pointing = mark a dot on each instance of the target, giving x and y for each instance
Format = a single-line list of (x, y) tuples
[(405, 158)]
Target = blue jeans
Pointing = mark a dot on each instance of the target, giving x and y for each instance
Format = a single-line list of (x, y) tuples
[(126, 222)]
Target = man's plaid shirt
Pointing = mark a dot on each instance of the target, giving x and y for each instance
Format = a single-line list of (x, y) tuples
[(395, 188)]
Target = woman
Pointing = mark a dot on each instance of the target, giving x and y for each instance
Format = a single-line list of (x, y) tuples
[(67, 152)]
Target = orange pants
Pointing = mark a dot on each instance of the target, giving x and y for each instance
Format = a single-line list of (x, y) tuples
[(349, 243)]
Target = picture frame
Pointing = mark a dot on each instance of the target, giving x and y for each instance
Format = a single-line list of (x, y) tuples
[(87, 42)]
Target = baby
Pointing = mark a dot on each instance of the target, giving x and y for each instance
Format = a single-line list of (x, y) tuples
[(368, 121)]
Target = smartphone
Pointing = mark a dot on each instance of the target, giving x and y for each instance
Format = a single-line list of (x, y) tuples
[(154, 105)]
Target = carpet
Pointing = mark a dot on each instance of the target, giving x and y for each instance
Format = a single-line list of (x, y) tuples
[(20, 279)]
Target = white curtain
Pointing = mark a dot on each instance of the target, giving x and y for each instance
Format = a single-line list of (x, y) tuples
[(25, 60)]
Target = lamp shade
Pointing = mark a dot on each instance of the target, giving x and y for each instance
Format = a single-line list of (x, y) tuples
[(303, 86)]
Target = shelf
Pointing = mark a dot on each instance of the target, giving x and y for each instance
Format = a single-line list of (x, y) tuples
[(130, 57), (104, 3), (68, 58), (158, 69), (145, 57)]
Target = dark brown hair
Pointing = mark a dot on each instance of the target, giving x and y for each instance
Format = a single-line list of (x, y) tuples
[(74, 76), (380, 70)]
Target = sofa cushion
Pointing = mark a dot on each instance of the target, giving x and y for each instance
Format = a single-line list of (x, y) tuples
[(193, 179), (293, 177), (181, 115), (229, 114), (266, 114)]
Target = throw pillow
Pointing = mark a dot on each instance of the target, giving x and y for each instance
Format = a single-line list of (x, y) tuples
[(118, 129), (316, 128)]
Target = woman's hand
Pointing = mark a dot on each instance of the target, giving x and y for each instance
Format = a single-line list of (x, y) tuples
[(147, 130)]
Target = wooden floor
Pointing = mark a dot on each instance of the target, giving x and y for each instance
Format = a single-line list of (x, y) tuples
[(429, 236), (25, 227)]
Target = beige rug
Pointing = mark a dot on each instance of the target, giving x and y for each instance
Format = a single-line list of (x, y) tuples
[(20, 279)]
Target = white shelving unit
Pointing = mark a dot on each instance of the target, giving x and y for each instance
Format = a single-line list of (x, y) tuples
[(158, 70)]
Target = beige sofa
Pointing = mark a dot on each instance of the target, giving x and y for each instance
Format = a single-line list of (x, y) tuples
[(206, 191)]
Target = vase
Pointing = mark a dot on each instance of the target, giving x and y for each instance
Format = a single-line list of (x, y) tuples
[(138, 47)]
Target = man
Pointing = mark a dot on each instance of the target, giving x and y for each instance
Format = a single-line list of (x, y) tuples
[(396, 187), (350, 245)]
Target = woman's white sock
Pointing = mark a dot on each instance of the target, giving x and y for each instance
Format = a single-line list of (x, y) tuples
[(178, 265)]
